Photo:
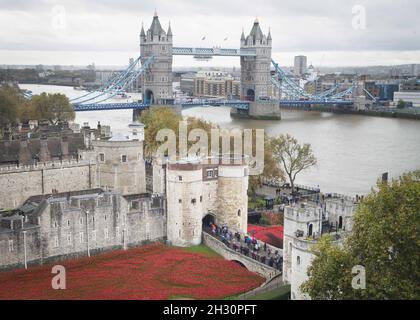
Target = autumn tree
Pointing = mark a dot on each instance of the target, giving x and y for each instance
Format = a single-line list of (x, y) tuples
[(385, 240), (156, 119), (272, 170), (293, 157), (9, 105), (53, 107)]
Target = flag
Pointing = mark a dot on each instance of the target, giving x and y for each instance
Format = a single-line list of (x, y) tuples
[(204, 38)]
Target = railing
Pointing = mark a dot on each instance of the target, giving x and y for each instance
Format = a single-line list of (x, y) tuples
[(242, 245)]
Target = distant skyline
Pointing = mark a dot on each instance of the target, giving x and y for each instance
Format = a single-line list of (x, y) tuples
[(328, 32)]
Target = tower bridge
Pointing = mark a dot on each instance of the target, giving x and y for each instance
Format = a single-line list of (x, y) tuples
[(153, 71)]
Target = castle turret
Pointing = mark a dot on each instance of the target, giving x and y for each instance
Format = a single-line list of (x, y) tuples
[(157, 80), (184, 192), (232, 196)]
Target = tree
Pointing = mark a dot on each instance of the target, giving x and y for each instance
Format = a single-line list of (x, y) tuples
[(271, 169), (385, 240), (53, 107), (154, 120), (294, 157), (9, 103), (401, 104), (330, 272)]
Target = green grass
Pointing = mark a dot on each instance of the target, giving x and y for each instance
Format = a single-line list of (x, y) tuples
[(281, 293), (203, 250)]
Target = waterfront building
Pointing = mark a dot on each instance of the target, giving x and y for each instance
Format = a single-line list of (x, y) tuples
[(300, 66)]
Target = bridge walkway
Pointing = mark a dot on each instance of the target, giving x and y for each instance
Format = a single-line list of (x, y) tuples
[(261, 263)]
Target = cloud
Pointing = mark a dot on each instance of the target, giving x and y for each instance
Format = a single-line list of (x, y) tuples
[(296, 26)]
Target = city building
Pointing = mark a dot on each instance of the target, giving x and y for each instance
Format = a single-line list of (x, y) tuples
[(187, 83), (300, 66), (409, 92), (408, 97), (216, 84), (304, 223)]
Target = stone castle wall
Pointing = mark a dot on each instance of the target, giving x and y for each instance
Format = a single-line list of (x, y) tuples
[(61, 228), (20, 183)]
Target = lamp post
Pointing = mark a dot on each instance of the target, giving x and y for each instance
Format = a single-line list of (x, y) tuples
[(87, 232), (24, 250)]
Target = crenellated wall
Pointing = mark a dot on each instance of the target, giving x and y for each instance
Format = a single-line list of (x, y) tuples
[(20, 183)]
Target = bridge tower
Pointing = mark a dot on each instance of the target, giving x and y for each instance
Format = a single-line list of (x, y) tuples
[(256, 83), (157, 80), (255, 71)]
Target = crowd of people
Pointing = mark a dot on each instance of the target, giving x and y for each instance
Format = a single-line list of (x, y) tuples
[(248, 246)]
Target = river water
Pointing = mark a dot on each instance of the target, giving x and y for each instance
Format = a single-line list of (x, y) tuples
[(353, 151)]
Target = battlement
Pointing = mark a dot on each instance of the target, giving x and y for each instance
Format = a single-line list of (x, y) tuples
[(44, 166), (303, 212)]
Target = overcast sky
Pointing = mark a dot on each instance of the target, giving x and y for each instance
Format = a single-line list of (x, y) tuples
[(106, 32)]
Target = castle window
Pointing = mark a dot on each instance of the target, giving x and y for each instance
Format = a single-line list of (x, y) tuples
[(209, 173), (239, 213), (68, 223), (56, 242), (194, 201), (134, 205), (55, 224), (11, 247), (106, 233), (69, 240), (102, 157), (105, 217), (81, 237), (80, 221), (180, 201), (124, 158), (180, 178), (201, 198), (298, 261)]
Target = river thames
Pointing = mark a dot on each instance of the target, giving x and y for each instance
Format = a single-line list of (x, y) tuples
[(353, 151)]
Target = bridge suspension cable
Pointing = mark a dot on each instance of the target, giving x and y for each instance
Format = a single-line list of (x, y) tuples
[(293, 90), (124, 83), (111, 84)]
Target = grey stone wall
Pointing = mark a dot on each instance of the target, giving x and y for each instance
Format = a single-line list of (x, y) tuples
[(20, 183), (67, 227)]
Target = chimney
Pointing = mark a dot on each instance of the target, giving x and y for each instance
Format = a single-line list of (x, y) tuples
[(25, 157), (44, 153), (64, 148)]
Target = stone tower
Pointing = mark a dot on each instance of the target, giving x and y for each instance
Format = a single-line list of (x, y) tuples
[(232, 196), (184, 191), (301, 223), (157, 80), (255, 71), (256, 83)]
